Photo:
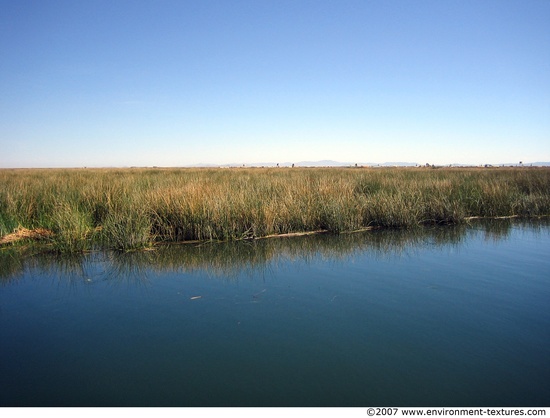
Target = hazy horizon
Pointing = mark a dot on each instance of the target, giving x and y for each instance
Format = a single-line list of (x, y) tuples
[(287, 164), (180, 83)]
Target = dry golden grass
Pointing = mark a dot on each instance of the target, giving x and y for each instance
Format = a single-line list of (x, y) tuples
[(21, 233), (133, 208)]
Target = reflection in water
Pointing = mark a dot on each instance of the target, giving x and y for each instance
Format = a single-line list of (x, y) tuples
[(230, 259), (436, 316)]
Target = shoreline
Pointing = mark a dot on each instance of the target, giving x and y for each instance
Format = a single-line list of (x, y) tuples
[(39, 238)]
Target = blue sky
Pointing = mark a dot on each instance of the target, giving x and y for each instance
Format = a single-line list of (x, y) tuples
[(172, 83)]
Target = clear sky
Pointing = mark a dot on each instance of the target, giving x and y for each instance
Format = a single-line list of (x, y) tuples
[(172, 83)]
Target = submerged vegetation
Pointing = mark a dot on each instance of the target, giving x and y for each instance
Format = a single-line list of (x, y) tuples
[(80, 209)]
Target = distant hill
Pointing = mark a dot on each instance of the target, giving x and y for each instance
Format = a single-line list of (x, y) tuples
[(321, 163), (399, 164), (332, 163), (326, 163), (536, 164)]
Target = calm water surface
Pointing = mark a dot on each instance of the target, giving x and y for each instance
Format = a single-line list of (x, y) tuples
[(448, 317)]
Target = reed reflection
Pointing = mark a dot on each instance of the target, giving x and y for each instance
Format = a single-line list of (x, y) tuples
[(229, 260)]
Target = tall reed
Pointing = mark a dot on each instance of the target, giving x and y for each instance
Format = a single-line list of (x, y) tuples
[(134, 208)]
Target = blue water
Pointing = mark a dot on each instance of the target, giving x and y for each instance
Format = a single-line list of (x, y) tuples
[(456, 317)]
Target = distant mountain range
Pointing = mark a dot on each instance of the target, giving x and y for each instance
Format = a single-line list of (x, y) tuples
[(332, 163), (321, 163), (537, 164)]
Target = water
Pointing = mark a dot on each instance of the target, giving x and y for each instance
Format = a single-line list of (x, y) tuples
[(447, 317)]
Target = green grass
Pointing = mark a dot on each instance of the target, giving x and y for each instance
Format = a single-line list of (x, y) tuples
[(135, 208)]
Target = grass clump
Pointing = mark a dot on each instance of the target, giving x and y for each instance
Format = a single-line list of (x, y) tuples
[(128, 209)]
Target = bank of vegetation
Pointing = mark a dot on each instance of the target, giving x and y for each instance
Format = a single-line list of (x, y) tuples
[(72, 210)]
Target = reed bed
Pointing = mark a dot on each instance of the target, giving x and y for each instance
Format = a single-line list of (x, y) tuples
[(136, 208)]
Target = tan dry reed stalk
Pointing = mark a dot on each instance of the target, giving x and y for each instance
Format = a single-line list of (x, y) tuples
[(134, 208), (22, 233)]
